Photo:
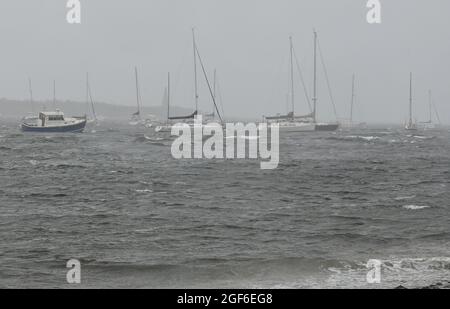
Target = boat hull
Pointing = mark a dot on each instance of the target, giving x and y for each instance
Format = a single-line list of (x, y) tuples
[(71, 128), (326, 127), (297, 128)]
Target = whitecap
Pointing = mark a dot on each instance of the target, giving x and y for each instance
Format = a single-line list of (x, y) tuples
[(365, 138), (153, 138), (415, 207), (401, 198), (144, 191)]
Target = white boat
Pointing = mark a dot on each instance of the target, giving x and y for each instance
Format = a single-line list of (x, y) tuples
[(296, 126), (291, 122)]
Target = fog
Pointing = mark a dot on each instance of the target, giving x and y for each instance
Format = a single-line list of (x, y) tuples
[(247, 41)]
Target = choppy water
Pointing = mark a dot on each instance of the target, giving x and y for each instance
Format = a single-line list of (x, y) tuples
[(135, 217)]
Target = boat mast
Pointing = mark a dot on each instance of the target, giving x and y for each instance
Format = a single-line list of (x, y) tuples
[(353, 99), (430, 105), (89, 97), (315, 78), (168, 95), (208, 83), (137, 91), (195, 69), (214, 88), (410, 100), (87, 92), (292, 74), (31, 95), (54, 94), (214, 83)]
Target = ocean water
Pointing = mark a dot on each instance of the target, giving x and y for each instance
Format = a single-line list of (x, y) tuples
[(115, 199)]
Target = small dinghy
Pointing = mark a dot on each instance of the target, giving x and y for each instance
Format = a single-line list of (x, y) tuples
[(54, 122)]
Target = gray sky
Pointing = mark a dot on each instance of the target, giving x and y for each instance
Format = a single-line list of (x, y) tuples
[(246, 40)]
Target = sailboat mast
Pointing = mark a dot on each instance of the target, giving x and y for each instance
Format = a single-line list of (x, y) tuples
[(353, 99), (54, 94), (195, 69), (168, 95), (430, 100), (292, 74), (87, 92), (214, 87), (137, 90), (89, 98), (31, 95), (410, 99), (315, 78)]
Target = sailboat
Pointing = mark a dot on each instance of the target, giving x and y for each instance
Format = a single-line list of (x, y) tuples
[(31, 115), (188, 119), (90, 102), (411, 125), (319, 126), (290, 122), (430, 124), (350, 122), (53, 121), (136, 117)]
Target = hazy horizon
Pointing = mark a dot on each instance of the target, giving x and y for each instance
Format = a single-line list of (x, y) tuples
[(246, 41)]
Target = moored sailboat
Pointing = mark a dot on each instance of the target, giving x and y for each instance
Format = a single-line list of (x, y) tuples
[(90, 103), (290, 122), (320, 126), (430, 124), (189, 119), (411, 124)]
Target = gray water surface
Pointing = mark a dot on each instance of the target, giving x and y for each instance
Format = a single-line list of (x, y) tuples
[(114, 198)]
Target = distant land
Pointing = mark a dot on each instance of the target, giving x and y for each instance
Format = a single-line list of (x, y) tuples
[(18, 109)]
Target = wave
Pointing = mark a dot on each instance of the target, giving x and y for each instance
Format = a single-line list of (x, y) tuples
[(402, 198), (422, 137), (153, 140), (412, 272), (355, 138), (415, 207), (144, 191)]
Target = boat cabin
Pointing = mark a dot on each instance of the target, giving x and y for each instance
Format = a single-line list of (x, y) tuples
[(46, 117)]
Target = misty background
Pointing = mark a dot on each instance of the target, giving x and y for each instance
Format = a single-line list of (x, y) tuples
[(247, 41)]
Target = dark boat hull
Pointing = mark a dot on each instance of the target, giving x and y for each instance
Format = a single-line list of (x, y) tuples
[(327, 127), (75, 128)]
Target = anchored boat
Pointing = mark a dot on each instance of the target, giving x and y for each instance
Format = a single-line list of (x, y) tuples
[(292, 122), (54, 122), (173, 121)]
